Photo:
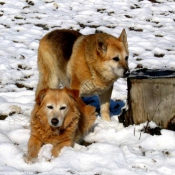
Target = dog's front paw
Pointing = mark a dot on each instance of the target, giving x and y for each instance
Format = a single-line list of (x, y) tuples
[(29, 160), (55, 152)]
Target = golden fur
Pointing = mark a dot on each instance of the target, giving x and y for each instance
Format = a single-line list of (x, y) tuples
[(60, 118), (88, 63)]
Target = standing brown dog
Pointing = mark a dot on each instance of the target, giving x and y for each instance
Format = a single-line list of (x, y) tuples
[(60, 118), (89, 63)]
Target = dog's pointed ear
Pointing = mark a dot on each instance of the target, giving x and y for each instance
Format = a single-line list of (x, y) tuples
[(40, 96), (73, 93), (101, 45), (123, 36)]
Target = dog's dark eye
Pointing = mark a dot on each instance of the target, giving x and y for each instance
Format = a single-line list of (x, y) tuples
[(126, 58), (116, 59), (63, 107), (50, 107)]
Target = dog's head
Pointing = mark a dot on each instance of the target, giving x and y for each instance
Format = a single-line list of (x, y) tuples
[(114, 52), (55, 104)]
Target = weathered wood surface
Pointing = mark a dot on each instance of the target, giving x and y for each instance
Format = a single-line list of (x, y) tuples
[(151, 98)]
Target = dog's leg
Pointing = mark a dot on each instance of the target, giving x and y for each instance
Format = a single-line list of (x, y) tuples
[(34, 146), (57, 148), (48, 71), (105, 104)]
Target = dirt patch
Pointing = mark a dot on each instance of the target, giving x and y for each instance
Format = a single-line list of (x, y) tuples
[(159, 55), (139, 59), (30, 2), (127, 16), (134, 29), (2, 3), (44, 26), (152, 131), (154, 1), (2, 116), (158, 35), (20, 85)]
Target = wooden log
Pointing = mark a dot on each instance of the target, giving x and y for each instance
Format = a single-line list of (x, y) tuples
[(151, 97)]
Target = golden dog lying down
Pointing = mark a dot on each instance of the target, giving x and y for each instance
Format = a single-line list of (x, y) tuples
[(60, 118), (88, 63)]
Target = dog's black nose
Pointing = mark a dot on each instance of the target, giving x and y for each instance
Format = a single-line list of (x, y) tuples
[(126, 74), (55, 121)]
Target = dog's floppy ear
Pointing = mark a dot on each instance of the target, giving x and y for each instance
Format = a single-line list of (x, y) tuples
[(123, 37), (72, 93), (40, 96), (101, 45)]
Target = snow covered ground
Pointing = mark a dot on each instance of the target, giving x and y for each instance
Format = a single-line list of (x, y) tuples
[(150, 26)]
